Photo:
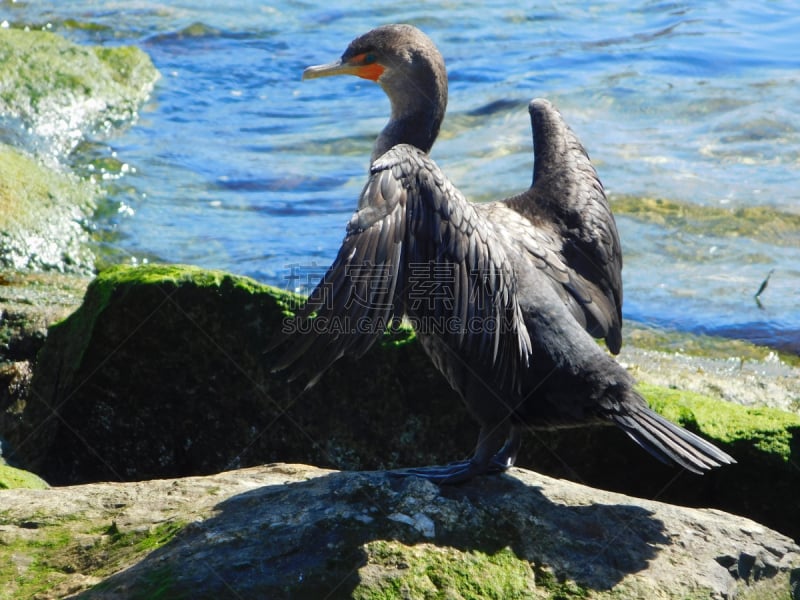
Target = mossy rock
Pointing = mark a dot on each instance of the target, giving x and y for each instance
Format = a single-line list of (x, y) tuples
[(12, 478), (397, 570), (43, 214), (163, 372), (65, 553), (29, 304), (60, 91), (294, 531), (53, 94)]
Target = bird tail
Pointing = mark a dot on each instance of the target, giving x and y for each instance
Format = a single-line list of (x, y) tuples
[(668, 442)]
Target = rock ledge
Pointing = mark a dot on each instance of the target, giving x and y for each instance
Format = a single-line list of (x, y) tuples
[(293, 531)]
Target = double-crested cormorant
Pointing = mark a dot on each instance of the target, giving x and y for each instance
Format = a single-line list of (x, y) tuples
[(504, 296)]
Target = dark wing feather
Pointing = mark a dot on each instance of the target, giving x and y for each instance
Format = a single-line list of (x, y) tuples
[(414, 247), (665, 440), (574, 238), (355, 300)]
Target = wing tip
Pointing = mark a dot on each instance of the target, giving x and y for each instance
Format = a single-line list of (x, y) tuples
[(670, 443), (538, 105)]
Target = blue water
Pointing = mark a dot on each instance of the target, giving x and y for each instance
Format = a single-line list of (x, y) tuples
[(235, 164)]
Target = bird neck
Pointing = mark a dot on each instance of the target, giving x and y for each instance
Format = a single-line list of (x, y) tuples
[(416, 118)]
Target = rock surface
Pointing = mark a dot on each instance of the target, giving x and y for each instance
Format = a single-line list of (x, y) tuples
[(29, 304), (727, 369), (291, 531)]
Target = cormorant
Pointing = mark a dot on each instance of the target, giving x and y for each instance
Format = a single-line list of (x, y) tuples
[(504, 296)]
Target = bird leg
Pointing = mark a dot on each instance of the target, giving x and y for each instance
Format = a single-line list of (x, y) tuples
[(486, 459), (507, 455)]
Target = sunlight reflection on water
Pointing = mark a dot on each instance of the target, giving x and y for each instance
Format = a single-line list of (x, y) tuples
[(242, 167)]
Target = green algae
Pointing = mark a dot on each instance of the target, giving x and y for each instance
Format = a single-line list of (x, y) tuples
[(129, 67), (77, 329), (123, 275), (51, 551), (11, 478), (767, 430), (704, 346), (774, 588), (42, 216), (398, 335), (141, 542), (25, 569), (81, 25), (24, 180), (60, 90), (765, 442), (53, 93), (427, 571), (120, 278), (758, 222)]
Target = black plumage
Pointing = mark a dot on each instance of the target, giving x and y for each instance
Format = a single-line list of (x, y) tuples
[(505, 296)]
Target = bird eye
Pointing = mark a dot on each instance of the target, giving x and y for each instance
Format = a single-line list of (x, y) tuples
[(369, 58)]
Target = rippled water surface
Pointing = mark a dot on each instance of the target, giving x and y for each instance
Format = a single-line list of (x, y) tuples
[(236, 164)]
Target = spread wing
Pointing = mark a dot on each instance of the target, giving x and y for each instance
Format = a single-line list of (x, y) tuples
[(574, 236), (414, 247)]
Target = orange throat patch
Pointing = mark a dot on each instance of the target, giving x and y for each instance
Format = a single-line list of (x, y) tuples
[(372, 72)]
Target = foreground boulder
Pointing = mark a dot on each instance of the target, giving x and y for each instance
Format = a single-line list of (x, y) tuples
[(291, 531), (162, 372)]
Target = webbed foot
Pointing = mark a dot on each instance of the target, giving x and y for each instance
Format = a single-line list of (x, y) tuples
[(461, 471), (481, 463), (455, 472)]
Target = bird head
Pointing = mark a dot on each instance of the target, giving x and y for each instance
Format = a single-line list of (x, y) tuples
[(383, 52), (407, 65)]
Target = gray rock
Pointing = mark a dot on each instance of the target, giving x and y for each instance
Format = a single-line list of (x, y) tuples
[(746, 381), (292, 531)]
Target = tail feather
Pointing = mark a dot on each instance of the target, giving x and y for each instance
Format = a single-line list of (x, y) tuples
[(669, 442)]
